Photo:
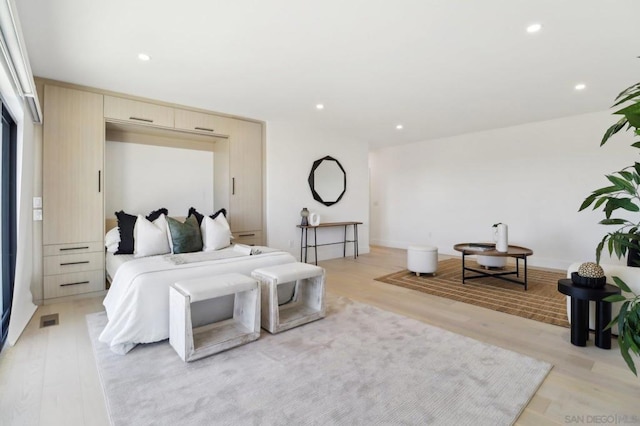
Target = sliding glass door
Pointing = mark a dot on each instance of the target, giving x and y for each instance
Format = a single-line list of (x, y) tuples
[(8, 223)]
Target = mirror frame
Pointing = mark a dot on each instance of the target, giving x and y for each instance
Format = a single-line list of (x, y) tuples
[(311, 179)]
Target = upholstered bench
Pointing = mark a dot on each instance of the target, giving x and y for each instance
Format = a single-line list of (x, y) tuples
[(307, 302), (422, 259), (191, 335)]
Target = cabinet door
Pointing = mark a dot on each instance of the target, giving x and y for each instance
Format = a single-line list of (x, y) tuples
[(201, 123), (137, 112), (73, 156), (245, 167)]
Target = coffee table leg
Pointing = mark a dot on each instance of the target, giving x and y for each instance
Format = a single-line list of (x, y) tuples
[(603, 317), (579, 321), (463, 255)]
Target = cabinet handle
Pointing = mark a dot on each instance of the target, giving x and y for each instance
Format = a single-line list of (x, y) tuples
[(233, 186), (203, 128), (146, 120), (74, 248), (79, 282), (246, 235), (99, 180), (74, 263)]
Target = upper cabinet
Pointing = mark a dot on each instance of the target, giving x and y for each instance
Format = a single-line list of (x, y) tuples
[(137, 112), (202, 123)]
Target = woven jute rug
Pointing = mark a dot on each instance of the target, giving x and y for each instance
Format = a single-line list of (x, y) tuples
[(541, 302)]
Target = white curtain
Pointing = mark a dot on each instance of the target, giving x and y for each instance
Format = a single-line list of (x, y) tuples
[(22, 308)]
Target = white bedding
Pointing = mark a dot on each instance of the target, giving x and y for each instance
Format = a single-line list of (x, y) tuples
[(113, 262), (137, 303)]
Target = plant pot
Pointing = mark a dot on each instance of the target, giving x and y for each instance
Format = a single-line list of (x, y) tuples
[(633, 258)]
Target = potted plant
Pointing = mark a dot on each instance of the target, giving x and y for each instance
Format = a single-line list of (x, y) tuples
[(622, 195), (628, 320)]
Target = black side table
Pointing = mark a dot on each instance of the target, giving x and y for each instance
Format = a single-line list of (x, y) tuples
[(580, 297)]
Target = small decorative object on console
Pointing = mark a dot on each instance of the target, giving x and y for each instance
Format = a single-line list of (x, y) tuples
[(314, 219), (589, 275), (305, 214)]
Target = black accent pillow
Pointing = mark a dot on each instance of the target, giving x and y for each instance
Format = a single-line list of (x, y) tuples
[(186, 237), (156, 214), (126, 224), (199, 216)]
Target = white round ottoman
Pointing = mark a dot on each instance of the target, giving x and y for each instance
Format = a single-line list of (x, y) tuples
[(422, 259)]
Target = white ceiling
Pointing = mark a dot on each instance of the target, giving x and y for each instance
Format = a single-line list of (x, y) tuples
[(440, 68)]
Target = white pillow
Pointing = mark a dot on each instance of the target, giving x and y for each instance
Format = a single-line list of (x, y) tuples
[(150, 238), (216, 233), (112, 240)]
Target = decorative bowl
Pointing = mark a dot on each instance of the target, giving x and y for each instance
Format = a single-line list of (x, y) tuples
[(588, 281)]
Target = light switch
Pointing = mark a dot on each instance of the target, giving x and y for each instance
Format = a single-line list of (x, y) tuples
[(37, 214), (37, 202)]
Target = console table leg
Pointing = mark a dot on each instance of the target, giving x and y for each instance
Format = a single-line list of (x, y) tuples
[(344, 244), (579, 321), (603, 317), (355, 242), (315, 242)]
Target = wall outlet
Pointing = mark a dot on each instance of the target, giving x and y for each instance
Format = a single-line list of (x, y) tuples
[(37, 214), (37, 202)]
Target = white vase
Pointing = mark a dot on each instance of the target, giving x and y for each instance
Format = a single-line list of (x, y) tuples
[(502, 240)]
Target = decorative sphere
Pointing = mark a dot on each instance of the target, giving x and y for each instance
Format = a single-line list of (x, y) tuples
[(590, 270)]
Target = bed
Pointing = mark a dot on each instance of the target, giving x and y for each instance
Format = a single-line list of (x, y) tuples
[(137, 303)]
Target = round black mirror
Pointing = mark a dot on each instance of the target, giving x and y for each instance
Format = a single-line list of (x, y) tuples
[(327, 180)]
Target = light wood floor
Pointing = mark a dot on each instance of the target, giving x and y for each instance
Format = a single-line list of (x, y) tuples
[(50, 377)]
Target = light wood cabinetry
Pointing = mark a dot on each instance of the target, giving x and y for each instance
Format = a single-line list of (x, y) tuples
[(74, 130), (250, 238), (245, 170), (137, 112), (73, 206), (199, 122)]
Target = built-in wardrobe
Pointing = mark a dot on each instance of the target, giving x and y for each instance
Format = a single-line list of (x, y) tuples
[(77, 122)]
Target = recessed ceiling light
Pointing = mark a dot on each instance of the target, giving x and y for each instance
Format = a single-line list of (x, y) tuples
[(144, 57), (399, 127), (580, 86), (319, 106), (534, 28)]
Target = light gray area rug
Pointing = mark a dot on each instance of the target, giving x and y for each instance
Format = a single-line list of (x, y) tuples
[(358, 366)]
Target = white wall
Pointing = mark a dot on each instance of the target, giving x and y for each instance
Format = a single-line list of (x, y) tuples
[(141, 178), (532, 177), (290, 152)]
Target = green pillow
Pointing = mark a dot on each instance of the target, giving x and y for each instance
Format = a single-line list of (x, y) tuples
[(186, 237)]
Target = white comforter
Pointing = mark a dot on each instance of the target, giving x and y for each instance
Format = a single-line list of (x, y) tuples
[(137, 303)]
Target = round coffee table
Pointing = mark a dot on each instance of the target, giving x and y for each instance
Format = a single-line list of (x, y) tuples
[(489, 249)]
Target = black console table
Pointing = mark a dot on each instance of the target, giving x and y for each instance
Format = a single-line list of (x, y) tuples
[(580, 297), (304, 238)]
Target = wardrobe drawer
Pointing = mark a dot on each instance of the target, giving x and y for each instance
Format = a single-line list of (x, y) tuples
[(137, 112), (202, 123), (76, 248), (250, 238), (69, 263), (70, 284)]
